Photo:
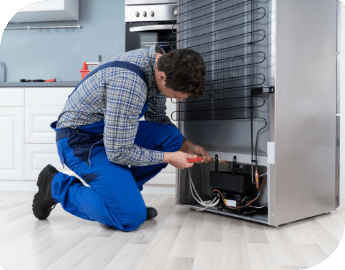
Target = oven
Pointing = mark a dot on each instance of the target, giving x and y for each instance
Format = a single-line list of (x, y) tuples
[(149, 22)]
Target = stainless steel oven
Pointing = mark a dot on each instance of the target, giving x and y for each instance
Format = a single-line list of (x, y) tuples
[(150, 22)]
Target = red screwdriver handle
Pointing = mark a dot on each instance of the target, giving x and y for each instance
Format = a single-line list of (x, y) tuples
[(195, 159)]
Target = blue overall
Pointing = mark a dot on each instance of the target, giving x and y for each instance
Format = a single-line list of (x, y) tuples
[(113, 197)]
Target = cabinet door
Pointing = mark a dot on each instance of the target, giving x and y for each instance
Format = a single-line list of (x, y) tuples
[(37, 124), (47, 97), (12, 97), (37, 156), (42, 107), (11, 143)]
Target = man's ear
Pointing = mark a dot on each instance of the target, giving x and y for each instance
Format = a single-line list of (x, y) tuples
[(162, 76)]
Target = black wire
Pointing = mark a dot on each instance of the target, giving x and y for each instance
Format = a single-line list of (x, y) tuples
[(251, 128), (257, 136)]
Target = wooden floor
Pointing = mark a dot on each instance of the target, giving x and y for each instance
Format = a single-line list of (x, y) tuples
[(177, 239)]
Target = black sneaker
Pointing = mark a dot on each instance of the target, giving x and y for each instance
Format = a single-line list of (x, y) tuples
[(151, 213), (43, 202)]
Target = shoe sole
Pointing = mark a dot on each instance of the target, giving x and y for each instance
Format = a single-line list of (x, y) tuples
[(47, 171)]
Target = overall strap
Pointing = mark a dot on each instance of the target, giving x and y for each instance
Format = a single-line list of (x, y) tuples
[(132, 67)]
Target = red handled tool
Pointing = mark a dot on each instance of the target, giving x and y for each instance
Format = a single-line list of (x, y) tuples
[(195, 159), (40, 80)]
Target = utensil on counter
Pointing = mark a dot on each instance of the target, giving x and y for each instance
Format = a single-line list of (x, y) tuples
[(40, 80), (84, 71)]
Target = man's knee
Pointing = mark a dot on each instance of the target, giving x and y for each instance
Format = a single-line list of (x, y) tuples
[(131, 219), (175, 138)]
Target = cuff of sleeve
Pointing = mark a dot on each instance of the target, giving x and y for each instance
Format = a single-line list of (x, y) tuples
[(161, 156), (184, 139), (157, 157)]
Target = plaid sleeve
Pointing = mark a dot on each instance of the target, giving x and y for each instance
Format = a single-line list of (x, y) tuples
[(124, 104), (156, 111)]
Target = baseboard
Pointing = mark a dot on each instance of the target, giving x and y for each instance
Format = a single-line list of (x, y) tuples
[(31, 186), (17, 185)]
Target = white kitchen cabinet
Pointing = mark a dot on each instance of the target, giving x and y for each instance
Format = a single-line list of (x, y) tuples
[(47, 97), (28, 143), (11, 97), (42, 107), (37, 156), (52, 10), (25, 117), (11, 143), (37, 124)]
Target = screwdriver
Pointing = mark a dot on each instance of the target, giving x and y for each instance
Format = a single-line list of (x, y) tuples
[(51, 80), (195, 159)]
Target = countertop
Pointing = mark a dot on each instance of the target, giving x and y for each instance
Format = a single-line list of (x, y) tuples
[(38, 84)]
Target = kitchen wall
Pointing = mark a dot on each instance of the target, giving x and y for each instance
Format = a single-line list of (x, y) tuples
[(30, 54)]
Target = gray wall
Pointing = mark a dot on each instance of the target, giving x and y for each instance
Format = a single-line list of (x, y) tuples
[(30, 54)]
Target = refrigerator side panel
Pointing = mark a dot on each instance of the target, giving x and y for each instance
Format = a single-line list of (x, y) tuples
[(337, 156), (340, 13), (337, 169), (272, 64), (305, 106)]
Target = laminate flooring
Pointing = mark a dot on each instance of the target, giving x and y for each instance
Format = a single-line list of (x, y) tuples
[(177, 239)]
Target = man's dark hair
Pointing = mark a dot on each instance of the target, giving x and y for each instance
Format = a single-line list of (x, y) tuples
[(185, 72)]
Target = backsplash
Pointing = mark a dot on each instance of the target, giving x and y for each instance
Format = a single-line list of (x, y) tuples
[(35, 54), (2, 72)]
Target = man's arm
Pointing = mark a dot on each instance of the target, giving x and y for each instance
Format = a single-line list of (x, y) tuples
[(156, 111)]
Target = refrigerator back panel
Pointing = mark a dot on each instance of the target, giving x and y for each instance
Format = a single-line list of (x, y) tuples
[(232, 38)]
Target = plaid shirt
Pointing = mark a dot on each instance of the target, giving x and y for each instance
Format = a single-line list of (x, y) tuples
[(118, 95)]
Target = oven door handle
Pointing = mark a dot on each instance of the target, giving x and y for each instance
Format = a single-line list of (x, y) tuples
[(152, 27)]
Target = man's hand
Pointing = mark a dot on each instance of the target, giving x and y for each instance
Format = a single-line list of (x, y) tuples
[(190, 148), (179, 159)]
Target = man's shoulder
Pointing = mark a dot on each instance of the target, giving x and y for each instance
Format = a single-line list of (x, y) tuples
[(139, 57)]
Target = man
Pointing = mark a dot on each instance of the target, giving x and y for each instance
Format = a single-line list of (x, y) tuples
[(100, 138)]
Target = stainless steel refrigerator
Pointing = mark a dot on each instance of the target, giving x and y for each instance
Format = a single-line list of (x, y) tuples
[(272, 102)]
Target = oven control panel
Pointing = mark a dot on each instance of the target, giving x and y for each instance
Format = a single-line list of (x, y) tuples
[(150, 13)]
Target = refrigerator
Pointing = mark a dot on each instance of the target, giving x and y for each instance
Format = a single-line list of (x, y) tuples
[(272, 105)]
